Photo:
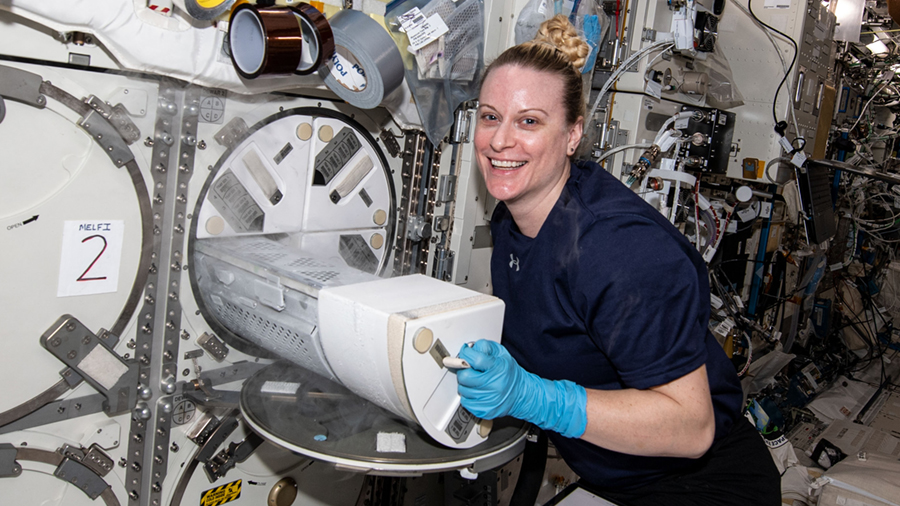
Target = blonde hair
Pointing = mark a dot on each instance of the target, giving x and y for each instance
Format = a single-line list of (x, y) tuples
[(559, 33), (556, 50)]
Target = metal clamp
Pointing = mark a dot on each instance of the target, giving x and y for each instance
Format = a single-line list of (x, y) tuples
[(108, 137), (93, 358)]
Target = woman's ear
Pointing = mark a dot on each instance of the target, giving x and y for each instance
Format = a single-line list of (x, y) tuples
[(575, 133)]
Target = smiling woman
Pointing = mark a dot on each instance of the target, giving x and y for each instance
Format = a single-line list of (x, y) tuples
[(610, 356), (523, 141)]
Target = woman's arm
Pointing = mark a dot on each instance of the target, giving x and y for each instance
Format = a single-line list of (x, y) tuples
[(671, 420), (674, 419)]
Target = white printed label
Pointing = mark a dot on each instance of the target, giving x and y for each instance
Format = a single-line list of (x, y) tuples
[(91, 254), (777, 4), (410, 19), (542, 9), (347, 71), (748, 213), (425, 33), (682, 123), (799, 158), (714, 301), (723, 328), (785, 144)]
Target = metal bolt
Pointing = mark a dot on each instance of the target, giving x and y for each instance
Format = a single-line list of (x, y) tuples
[(142, 411), (149, 299), (131, 344), (167, 138), (190, 140), (184, 168), (158, 460), (70, 326), (185, 372), (137, 439), (146, 329), (123, 462), (170, 325), (86, 340), (168, 385), (167, 355), (161, 168), (176, 266), (174, 448), (60, 410), (148, 142), (201, 145), (185, 335), (77, 406), (72, 354), (56, 342), (145, 359), (133, 495), (178, 228), (157, 487), (144, 392)]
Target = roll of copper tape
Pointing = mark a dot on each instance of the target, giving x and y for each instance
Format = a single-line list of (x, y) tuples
[(264, 41), (318, 40)]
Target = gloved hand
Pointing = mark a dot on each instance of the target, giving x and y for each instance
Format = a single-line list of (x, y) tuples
[(497, 386)]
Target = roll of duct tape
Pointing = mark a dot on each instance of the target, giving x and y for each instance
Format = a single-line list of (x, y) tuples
[(366, 65), (264, 41), (318, 39)]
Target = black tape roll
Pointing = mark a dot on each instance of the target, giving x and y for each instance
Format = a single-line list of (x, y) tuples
[(264, 41), (317, 37)]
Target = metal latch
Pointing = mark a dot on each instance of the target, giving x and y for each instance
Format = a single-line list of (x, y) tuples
[(216, 467), (117, 116), (215, 347), (93, 358), (390, 142)]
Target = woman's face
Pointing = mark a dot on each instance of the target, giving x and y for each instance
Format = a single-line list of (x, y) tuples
[(522, 141)]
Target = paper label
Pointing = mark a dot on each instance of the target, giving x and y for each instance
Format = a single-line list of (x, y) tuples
[(777, 4), (715, 301), (425, 33), (654, 89), (748, 214), (410, 19), (681, 123), (91, 254), (723, 328), (738, 301), (542, 9), (799, 158), (785, 144)]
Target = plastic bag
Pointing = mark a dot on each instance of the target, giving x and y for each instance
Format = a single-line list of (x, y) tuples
[(722, 92), (443, 72), (532, 15)]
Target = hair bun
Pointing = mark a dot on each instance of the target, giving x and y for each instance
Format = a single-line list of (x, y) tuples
[(559, 33)]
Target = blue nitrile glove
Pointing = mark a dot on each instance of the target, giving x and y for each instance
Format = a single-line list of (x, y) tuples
[(497, 386)]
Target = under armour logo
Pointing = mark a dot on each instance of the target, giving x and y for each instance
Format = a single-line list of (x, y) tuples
[(513, 261)]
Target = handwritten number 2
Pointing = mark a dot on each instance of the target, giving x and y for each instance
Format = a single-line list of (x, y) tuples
[(86, 239)]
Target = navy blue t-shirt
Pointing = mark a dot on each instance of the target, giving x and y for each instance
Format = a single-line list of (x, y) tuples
[(609, 295)]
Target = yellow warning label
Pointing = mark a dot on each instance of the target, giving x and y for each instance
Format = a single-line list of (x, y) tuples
[(221, 495)]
